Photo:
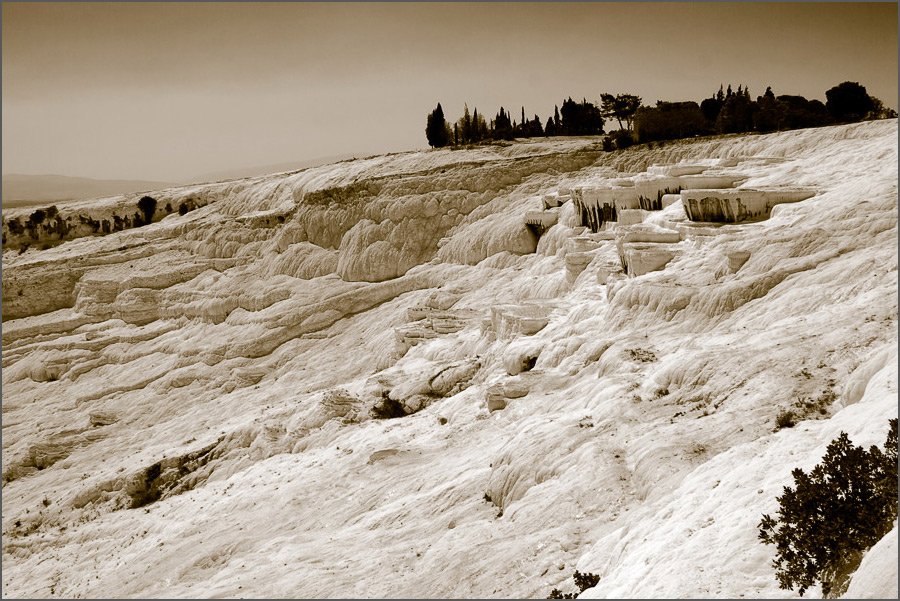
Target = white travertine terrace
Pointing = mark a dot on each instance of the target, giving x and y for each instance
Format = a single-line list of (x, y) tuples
[(631, 216), (542, 219), (643, 258), (295, 389), (702, 181), (510, 321), (676, 170), (738, 204)]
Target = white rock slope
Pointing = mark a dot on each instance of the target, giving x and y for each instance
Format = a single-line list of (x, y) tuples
[(379, 378)]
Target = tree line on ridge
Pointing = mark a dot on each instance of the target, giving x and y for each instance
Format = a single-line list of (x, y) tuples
[(726, 111)]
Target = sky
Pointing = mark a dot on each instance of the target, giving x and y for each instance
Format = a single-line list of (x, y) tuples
[(168, 91)]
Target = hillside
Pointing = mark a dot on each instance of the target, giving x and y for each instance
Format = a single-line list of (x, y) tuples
[(421, 375), (241, 172)]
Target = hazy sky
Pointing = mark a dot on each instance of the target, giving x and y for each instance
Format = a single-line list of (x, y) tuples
[(169, 91)]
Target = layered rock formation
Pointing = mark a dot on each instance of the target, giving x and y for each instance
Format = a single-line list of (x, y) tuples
[(375, 378)]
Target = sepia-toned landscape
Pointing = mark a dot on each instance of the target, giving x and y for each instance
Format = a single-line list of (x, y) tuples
[(522, 358)]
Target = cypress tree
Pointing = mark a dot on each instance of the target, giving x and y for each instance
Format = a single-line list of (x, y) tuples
[(476, 134), (466, 126), (436, 128), (503, 127)]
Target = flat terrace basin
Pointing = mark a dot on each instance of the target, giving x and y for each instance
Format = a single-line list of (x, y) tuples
[(706, 182), (735, 205), (676, 170), (509, 321)]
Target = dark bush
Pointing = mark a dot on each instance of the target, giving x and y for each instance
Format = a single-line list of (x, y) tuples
[(147, 206), (785, 419), (622, 138), (848, 102), (183, 209), (834, 514), (15, 226), (582, 581), (36, 218), (387, 408), (59, 226)]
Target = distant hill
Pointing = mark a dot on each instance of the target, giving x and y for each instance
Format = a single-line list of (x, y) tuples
[(241, 172), (23, 190)]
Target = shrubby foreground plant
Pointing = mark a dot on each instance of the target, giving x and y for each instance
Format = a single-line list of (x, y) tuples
[(834, 514), (582, 581)]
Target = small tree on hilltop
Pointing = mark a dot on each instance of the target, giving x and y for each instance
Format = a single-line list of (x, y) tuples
[(621, 106), (833, 515)]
